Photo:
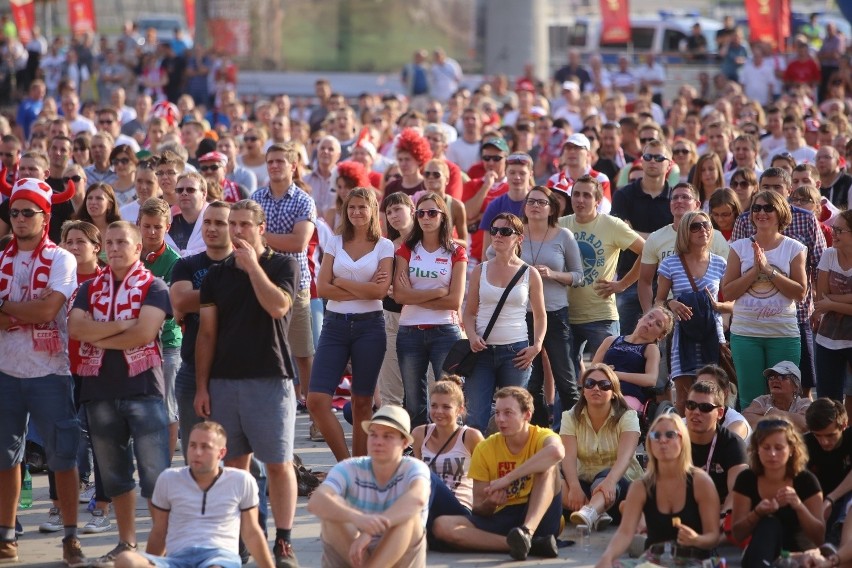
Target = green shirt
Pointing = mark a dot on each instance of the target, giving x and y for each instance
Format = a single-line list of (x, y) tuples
[(170, 335)]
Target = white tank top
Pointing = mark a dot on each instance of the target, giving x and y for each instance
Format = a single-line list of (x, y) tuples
[(511, 325), (451, 466)]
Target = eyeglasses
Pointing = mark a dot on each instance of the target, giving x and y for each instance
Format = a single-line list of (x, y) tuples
[(502, 231), (539, 202), (681, 151), (683, 197), (169, 173), (736, 184), (492, 158), (603, 384), (27, 213), (432, 175), (699, 226), (518, 158), (767, 208), (704, 407), (75, 179), (800, 200), (210, 168), (646, 140), (838, 231), (659, 158), (432, 213), (122, 161), (188, 190), (656, 435), (250, 139), (776, 377)]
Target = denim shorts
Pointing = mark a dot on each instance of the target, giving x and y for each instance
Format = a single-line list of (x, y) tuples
[(513, 516), (359, 337), (112, 425), (49, 402), (196, 557), (259, 416)]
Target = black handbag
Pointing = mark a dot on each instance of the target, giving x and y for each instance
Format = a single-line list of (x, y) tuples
[(461, 360)]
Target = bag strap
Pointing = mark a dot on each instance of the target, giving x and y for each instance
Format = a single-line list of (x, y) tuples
[(688, 273), (447, 443), (502, 301)]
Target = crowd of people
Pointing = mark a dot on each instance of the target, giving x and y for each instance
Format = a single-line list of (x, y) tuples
[(646, 301)]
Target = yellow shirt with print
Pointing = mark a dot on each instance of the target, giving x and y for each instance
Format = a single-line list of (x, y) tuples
[(492, 460)]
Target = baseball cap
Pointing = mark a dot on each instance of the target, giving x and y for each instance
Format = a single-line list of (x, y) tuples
[(570, 86), (497, 142), (579, 140), (525, 85), (786, 368), (394, 417)]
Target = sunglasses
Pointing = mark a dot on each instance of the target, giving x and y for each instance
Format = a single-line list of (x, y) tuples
[(680, 151), (492, 158), (515, 159), (431, 175), (699, 226), (122, 161), (7, 155), (704, 407), (603, 384), (189, 190), (750, 132), (75, 179), (646, 140), (736, 184), (767, 208), (800, 200), (105, 121), (659, 158), (210, 168), (250, 138), (668, 435), (431, 213), (27, 213), (502, 231), (539, 202)]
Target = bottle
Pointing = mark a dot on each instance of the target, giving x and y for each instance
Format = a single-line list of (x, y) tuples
[(27, 490), (784, 561), (667, 558)]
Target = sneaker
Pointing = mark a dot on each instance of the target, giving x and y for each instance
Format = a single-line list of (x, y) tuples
[(19, 528), (53, 522), (284, 555), (87, 491), (315, 434), (108, 559), (544, 547), (519, 541), (72, 553), (585, 516), (604, 520), (8, 551), (98, 523)]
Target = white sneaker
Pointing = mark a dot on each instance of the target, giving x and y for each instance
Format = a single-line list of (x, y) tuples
[(604, 520), (98, 523), (53, 522), (585, 516), (87, 491)]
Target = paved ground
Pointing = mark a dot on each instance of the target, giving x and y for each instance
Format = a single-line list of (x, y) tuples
[(45, 549)]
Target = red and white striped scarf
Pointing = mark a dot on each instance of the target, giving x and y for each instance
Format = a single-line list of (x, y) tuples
[(231, 191)]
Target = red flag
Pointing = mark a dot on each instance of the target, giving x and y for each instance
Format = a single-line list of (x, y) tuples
[(82, 16), (23, 12), (769, 21), (189, 10), (615, 21)]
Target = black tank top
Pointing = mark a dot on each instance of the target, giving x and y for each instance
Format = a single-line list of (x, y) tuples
[(627, 357), (660, 528)]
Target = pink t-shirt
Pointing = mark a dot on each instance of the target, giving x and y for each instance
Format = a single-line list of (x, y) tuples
[(427, 271)]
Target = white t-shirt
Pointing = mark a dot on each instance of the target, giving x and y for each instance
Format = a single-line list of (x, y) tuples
[(208, 519), (834, 328), (804, 155), (361, 270), (428, 271), (463, 154), (17, 357)]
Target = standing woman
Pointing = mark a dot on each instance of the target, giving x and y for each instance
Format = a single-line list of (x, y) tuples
[(505, 358), (252, 156), (696, 337), (354, 277), (765, 277), (346, 177), (553, 252), (708, 176), (684, 154), (100, 209), (744, 184), (834, 335), (436, 176), (724, 209), (777, 501), (429, 282), (412, 152), (124, 161)]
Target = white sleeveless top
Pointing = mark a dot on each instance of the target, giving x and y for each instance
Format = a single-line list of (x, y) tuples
[(511, 325), (451, 466)]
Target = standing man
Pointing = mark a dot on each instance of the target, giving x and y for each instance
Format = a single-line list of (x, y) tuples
[(794, 141), (117, 318), (10, 154), (373, 508), (323, 192), (243, 370), (36, 280), (100, 149), (292, 217), (110, 121), (446, 75), (213, 166), (478, 193), (233, 171), (465, 150), (577, 159), (185, 232), (834, 182), (518, 178)]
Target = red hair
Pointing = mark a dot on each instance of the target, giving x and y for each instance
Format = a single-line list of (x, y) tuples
[(411, 141), (354, 173)]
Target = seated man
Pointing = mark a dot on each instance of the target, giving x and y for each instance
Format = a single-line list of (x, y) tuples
[(373, 508), (517, 498), (199, 511), (829, 443)]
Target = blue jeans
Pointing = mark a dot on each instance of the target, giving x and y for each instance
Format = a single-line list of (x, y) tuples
[(317, 309), (112, 424), (495, 369), (416, 348), (557, 344), (589, 336), (185, 396), (197, 557), (806, 362), (831, 367), (343, 338), (629, 309)]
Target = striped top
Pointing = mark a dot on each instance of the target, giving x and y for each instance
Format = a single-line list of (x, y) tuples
[(672, 268)]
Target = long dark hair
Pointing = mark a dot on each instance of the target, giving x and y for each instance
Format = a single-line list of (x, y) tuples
[(112, 213), (397, 198), (444, 232)]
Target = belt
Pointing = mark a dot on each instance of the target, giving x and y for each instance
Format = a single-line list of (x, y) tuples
[(354, 317), (426, 326)]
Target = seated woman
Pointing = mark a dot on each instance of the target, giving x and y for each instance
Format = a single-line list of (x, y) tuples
[(446, 448), (783, 401), (777, 502), (636, 357), (679, 501), (600, 435), (732, 420)]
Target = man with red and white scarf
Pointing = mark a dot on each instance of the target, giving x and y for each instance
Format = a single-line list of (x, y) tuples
[(36, 280), (117, 317), (213, 166)]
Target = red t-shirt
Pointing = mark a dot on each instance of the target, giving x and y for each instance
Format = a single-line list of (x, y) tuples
[(469, 190), (799, 71)]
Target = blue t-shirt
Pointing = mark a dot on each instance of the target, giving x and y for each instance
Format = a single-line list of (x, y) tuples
[(501, 204)]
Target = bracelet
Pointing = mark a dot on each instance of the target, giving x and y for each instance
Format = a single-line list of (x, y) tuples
[(773, 275), (830, 500), (767, 410)]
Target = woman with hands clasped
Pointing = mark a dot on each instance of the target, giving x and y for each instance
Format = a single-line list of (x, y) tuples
[(354, 277), (506, 356), (765, 278), (679, 501), (777, 502)]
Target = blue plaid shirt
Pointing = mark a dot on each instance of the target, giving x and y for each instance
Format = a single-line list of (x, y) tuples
[(805, 229), (281, 217)]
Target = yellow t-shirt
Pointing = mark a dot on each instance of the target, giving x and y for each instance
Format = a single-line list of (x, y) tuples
[(492, 460), (661, 244), (600, 243)]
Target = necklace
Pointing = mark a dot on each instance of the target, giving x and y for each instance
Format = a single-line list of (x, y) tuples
[(540, 246)]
